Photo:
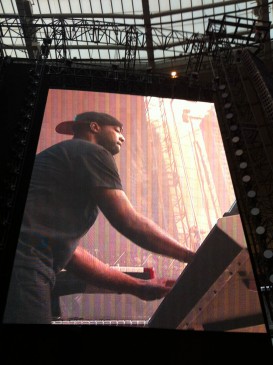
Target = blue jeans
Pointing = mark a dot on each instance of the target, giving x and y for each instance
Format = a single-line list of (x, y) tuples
[(29, 298)]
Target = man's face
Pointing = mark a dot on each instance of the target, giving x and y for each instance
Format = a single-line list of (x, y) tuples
[(111, 138)]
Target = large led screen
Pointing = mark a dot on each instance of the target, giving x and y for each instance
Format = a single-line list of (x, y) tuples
[(174, 171)]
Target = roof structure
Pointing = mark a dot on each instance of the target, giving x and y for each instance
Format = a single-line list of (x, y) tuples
[(158, 35)]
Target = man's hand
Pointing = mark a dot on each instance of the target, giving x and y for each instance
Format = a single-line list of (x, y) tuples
[(145, 233), (154, 289)]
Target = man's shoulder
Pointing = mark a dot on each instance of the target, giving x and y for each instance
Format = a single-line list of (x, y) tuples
[(82, 149), (78, 141), (81, 144), (72, 147)]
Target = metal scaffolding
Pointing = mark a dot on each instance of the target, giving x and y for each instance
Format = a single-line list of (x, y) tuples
[(245, 111)]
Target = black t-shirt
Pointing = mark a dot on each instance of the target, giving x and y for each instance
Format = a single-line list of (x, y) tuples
[(60, 206)]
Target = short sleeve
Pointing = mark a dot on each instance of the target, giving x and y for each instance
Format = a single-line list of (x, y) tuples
[(96, 166)]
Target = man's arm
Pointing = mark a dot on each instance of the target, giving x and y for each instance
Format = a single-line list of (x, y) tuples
[(117, 208), (96, 274)]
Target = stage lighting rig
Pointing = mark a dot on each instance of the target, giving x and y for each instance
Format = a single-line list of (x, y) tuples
[(45, 47)]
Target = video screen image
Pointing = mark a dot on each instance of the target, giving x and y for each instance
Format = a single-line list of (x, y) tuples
[(174, 171)]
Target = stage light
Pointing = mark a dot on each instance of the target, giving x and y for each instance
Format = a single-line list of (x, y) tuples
[(9, 203), (229, 116), (45, 46), (268, 254), (27, 116), (34, 82), (260, 230), (239, 152), (222, 87), (251, 194), (174, 74), (20, 155), (25, 128), (233, 127), (12, 187), (224, 95), (255, 211), (246, 178), (243, 165), (227, 105), (16, 170), (33, 92), (235, 139)]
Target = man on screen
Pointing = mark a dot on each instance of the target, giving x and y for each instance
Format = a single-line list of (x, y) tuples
[(71, 181)]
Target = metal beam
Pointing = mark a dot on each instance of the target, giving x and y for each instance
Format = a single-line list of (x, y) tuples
[(148, 32), (25, 16)]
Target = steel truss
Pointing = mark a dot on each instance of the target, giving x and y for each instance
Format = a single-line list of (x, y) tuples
[(224, 36), (245, 111), (29, 34), (12, 171)]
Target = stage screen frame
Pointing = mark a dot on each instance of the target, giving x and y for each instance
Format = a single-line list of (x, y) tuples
[(76, 101)]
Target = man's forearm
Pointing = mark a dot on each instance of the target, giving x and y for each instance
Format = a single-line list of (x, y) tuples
[(148, 235), (139, 229), (99, 274)]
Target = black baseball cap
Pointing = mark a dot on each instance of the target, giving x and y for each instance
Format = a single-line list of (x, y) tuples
[(87, 117)]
